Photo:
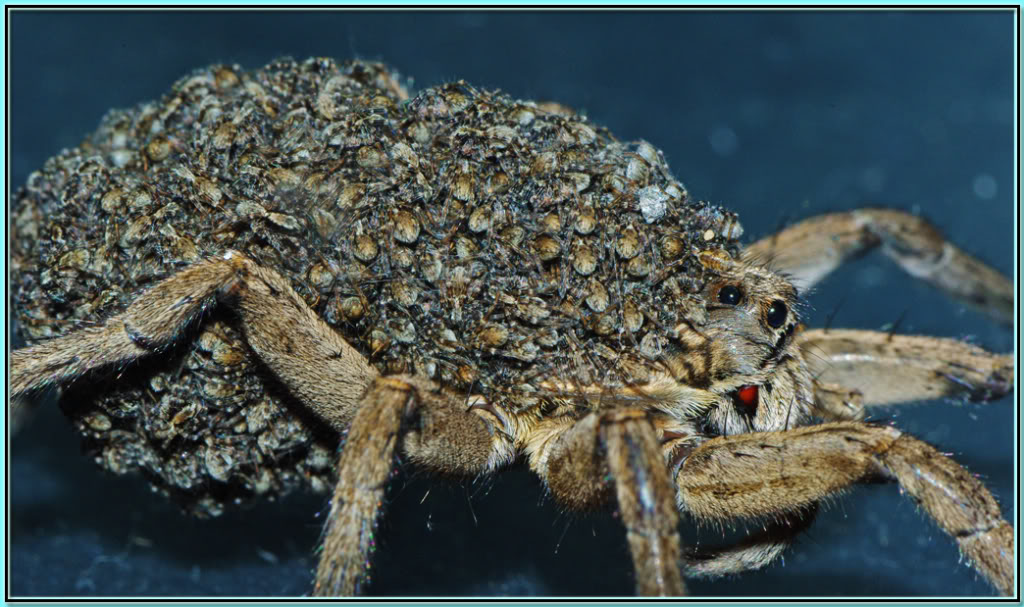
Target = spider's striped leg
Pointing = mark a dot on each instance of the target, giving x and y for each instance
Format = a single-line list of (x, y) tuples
[(807, 251), (433, 428), (364, 468), (619, 451), (150, 323), (762, 474), (854, 369), (317, 364), (757, 550)]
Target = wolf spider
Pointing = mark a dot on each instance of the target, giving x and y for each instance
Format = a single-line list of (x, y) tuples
[(726, 431)]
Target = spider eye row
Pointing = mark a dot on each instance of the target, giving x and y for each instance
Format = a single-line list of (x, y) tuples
[(731, 295)]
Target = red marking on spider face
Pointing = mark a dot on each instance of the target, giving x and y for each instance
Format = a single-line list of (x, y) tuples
[(748, 396)]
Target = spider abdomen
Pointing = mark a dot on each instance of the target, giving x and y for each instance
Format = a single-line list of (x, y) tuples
[(487, 243)]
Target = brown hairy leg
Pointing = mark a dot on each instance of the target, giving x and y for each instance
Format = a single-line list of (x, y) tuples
[(317, 365), (758, 475), (758, 550), (809, 250), (363, 471), (857, 368), (427, 423), (577, 472)]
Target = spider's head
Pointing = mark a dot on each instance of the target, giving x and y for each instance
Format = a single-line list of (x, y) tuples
[(736, 355)]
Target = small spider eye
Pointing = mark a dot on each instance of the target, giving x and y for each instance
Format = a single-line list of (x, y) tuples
[(777, 314), (730, 295)]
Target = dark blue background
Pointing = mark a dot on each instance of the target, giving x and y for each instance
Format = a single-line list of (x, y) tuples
[(777, 115)]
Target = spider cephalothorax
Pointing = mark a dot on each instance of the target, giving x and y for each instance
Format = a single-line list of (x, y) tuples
[(327, 262), (756, 373)]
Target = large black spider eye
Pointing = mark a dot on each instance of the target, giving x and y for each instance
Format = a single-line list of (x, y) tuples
[(776, 314), (730, 295)]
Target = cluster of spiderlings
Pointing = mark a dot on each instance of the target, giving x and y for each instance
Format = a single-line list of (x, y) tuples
[(460, 234)]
